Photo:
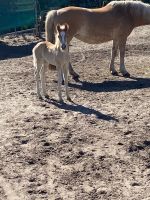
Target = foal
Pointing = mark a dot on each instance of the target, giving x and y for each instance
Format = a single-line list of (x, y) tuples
[(45, 53)]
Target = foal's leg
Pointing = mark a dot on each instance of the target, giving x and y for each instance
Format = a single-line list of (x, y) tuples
[(122, 45), (113, 55), (65, 72), (59, 83), (71, 70), (43, 82), (37, 76)]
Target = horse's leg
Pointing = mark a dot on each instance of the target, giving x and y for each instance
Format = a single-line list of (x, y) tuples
[(65, 72), (59, 82), (122, 45), (43, 82), (113, 55), (71, 70)]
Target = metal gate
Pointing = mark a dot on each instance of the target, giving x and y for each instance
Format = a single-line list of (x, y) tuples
[(15, 14)]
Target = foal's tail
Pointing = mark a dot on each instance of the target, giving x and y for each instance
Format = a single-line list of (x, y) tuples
[(49, 25), (34, 58)]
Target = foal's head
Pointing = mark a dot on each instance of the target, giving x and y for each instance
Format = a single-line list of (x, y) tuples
[(62, 35)]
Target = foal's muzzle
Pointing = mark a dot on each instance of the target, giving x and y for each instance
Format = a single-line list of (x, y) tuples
[(63, 46)]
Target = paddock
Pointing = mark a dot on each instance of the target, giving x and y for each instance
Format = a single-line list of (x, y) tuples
[(95, 149)]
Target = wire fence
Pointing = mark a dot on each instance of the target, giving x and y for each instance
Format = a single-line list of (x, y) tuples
[(17, 15)]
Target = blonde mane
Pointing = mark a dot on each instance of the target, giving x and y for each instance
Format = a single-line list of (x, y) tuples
[(134, 3), (137, 9)]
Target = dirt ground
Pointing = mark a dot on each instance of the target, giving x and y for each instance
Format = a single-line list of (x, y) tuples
[(97, 148)]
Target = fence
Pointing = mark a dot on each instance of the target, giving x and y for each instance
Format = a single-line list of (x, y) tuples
[(22, 14), (15, 14)]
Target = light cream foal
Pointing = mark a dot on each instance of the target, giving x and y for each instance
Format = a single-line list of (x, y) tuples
[(45, 53)]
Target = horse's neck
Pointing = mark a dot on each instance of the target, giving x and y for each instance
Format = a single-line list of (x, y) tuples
[(142, 16), (146, 15)]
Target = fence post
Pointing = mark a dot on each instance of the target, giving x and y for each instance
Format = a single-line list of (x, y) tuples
[(36, 18)]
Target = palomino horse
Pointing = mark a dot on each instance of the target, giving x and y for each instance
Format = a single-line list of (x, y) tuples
[(114, 22), (45, 53)]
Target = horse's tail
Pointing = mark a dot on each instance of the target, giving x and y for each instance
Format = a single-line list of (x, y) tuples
[(49, 25)]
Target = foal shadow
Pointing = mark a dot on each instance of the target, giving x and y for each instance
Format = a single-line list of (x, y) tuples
[(81, 109), (113, 86), (7, 51)]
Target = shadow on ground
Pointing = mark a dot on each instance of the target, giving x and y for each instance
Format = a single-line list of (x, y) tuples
[(81, 109), (113, 86), (7, 51)]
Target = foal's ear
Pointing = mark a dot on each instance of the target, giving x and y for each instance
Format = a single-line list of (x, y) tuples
[(58, 27), (66, 27)]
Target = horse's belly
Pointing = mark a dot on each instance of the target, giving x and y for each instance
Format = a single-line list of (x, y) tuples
[(94, 38)]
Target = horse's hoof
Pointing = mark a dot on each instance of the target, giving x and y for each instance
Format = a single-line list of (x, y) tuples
[(40, 97), (75, 76), (115, 73), (47, 96), (127, 75)]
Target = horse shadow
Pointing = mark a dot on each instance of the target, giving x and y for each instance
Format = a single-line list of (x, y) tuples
[(113, 86), (7, 51), (81, 109)]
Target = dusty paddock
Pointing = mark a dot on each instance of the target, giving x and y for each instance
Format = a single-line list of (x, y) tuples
[(96, 149)]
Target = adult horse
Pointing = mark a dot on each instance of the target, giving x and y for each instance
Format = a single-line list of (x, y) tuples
[(114, 22)]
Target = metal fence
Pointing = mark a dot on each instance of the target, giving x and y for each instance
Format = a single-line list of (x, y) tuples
[(23, 14), (15, 14)]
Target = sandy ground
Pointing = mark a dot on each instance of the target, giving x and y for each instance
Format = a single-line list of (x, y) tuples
[(95, 149)]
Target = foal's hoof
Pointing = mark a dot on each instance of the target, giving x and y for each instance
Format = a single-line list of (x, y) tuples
[(63, 82), (127, 75), (115, 73), (69, 99), (52, 67), (60, 100)]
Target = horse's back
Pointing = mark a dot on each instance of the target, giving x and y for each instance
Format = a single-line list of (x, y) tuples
[(94, 25), (71, 15)]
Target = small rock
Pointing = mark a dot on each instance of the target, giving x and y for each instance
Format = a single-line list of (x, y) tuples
[(120, 143), (135, 184), (127, 132), (146, 142), (24, 141), (27, 120), (32, 180), (31, 162), (46, 144)]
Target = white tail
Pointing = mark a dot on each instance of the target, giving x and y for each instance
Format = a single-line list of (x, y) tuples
[(49, 26)]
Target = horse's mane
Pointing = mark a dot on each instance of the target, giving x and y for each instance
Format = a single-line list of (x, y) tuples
[(135, 8), (134, 3)]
